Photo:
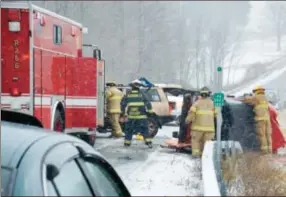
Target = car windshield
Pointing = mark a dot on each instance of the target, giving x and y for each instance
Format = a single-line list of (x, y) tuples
[(5, 180), (153, 95)]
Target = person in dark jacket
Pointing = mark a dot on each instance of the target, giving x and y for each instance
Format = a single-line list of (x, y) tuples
[(227, 121), (137, 108), (187, 103)]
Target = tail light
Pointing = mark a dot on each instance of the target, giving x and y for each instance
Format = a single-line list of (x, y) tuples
[(15, 92), (171, 107)]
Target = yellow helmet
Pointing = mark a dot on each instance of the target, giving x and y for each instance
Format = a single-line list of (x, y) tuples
[(258, 88)]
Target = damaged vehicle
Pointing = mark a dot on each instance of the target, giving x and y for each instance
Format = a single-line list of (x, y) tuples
[(157, 94), (238, 124)]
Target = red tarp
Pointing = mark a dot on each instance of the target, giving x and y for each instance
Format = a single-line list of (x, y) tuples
[(278, 140)]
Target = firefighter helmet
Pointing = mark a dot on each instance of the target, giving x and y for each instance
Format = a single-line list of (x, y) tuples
[(258, 88), (205, 92), (136, 83), (111, 83)]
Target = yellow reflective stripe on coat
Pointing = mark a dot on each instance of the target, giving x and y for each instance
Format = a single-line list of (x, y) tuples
[(114, 110), (261, 106), (150, 111), (262, 118), (147, 140), (205, 112), (138, 117), (203, 128), (135, 104), (133, 95), (115, 98)]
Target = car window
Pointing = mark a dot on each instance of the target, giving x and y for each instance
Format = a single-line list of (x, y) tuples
[(70, 181), (153, 95), (6, 174), (102, 180)]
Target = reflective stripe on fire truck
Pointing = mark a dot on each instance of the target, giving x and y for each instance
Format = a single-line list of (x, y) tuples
[(45, 101)]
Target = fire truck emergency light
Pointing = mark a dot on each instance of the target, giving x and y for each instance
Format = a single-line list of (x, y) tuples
[(14, 26)]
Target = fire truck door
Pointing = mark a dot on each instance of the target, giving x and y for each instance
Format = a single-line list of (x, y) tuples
[(84, 93), (100, 92)]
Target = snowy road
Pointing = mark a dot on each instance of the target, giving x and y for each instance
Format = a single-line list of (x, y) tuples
[(157, 171)]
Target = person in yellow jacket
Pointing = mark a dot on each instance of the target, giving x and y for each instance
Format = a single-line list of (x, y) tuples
[(262, 117), (113, 97), (201, 115)]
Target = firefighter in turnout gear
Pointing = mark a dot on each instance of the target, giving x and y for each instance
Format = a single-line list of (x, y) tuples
[(114, 96), (136, 107), (201, 115), (262, 117)]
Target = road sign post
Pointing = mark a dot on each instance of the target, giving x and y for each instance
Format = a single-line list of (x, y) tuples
[(218, 99)]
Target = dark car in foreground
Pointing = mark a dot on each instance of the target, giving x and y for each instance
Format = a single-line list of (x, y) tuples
[(38, 162)]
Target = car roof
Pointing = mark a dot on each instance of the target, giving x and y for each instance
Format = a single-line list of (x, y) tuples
[(16, 139)]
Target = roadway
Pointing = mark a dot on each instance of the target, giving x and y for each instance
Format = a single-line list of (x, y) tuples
[(153, 172)]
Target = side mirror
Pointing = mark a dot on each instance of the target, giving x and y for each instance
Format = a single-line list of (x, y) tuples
[(97, 54), (175, 134)]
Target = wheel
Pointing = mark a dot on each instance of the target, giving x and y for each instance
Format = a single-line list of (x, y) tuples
[(153, 127), (59, 124), (91, 138)]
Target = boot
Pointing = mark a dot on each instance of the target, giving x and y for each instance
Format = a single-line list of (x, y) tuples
[(149, 144), (127, 144)]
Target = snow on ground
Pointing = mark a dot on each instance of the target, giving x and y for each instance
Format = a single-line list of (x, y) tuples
[(169, 174), (249, 53), (263, 80), (153, 172)]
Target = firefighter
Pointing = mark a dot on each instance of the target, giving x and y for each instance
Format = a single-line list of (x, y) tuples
[(136, 107), (201, 115), (262, 117), (114, 97)]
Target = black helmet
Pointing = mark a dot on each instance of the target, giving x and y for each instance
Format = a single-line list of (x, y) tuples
[(205, 92)]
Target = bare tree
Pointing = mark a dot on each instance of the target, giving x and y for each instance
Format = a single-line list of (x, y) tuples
[(276, 15)]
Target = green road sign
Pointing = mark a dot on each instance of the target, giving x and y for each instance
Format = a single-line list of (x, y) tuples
[(218, 99), (219, 68)]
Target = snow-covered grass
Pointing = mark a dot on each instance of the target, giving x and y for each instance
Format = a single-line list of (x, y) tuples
[(249, 53), (259, 177)]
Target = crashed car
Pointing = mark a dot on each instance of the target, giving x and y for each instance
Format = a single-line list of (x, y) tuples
[(162, 106), (238, 124)]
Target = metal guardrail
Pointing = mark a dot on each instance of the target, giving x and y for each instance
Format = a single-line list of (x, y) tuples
[(211, 168)]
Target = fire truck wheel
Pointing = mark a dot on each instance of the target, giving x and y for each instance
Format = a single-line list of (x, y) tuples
[(59, 125), (153, 127)]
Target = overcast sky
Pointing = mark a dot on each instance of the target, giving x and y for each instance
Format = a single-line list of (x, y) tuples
[(256, 14)]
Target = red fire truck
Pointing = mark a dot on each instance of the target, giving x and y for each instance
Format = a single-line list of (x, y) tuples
[(43, 71)]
